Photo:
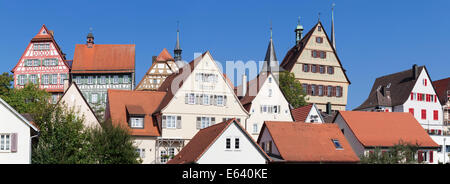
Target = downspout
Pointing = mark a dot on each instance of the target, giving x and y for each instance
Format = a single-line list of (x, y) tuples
[(31, 143)]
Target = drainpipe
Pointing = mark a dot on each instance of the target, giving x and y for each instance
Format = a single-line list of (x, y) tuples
[(31, 143)]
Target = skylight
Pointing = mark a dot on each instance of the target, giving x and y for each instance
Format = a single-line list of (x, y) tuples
[(337, 144)]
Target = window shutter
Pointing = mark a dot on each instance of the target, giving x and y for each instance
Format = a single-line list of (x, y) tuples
[(431, 156), (333, 93), (341, 89), (308, 92), (317, 90), (325, 90), (215, 100), (225, 100), (197, 99), (164, 124), (178, 122), (14, 142), (186, 98), (324, 54), (213, 121), (198, 123), (420, 156), (201, 99)]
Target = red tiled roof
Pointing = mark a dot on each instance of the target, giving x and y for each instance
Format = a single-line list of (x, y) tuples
[(148, 101), (309, 142), (301, 113), (164, 56), (385, 129), (104, 58), (202, 141), (442, 86)]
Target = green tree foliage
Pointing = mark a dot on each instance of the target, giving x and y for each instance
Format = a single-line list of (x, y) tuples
[(26, 99), (5, 84), (113, 144), (292, 89), (400, 153), (62, 138)]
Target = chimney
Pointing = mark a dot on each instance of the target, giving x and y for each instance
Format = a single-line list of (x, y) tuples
[(415, 71), (244, 85), (90, 40), (154, 58), (52, 33), (66, 85), (328, 108)]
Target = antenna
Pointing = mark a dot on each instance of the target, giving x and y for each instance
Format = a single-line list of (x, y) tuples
[(270, 29)]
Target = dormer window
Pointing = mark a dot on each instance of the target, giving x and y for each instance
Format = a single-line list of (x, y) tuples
[(337, 144), (137, 122), (135, 115)]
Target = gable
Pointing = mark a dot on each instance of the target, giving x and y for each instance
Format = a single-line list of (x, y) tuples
[(158, 71), (10, 117), (420, 86), (314, 112)]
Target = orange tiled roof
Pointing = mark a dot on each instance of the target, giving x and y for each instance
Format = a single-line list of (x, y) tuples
[(309, 142), (385, 129), (104, 58), (164, 56), (146, 101), (301, 113)]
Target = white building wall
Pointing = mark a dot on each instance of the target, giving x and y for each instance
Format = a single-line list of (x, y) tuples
[(266, 137), (9, 124), (314, 112), (148, 144), (263, 98), (443, 156), (74, 100), (247, 153)]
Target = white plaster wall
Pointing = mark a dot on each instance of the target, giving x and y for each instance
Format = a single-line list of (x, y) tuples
[(262, 98), (314, 112), (246, 154), (147, 143), (265, 137), (10, 123), (443, 156), (74, 100)]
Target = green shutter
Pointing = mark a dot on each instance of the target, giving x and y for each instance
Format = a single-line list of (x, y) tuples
[(120, 79)]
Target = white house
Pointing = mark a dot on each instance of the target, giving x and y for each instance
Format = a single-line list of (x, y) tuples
[(16, 134), (309, 114), (74, 100), (366, 131), (223, 143)]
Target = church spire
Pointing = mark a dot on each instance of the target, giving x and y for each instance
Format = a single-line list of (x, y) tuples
[(270, 61), (298, 32), (177, 51), (333, 38)]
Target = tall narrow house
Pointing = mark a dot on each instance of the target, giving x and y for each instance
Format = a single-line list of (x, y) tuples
[(315, 63), (43, 63), (99, 67), (162, 66)]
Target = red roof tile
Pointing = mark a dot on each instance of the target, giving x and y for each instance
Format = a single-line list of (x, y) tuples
[(202, 141), (301, 113), (164, 56), (385, 129), (309, 142), (146, 101), (442, 86), (104, 58)]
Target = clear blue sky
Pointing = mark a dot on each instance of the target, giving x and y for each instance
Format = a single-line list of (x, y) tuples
[(374, 38)]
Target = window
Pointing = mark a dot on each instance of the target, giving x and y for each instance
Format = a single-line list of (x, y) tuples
[(228, 143), (337, 144), (313, 69), (164, 156), (319, 39), (206, 100), (313, 90), (304, 86), (78, 80), (21, 79), (447, 148), (305, 68), (155, 81), (205, 122), (425, 82), (270, 79), (137, 122), (270, 92), (62, 77), (33, 79), (41, 46), (322, 69), (319, 28), (171, 152), (236, 143), (28, 62), (125, 79), (171, 121), (94, 98), (206, 77), (55, 79), (220, 100), (191, 99), (5, 142), (54, 98), (338, 91), (424, 114), (314, 54), (320, 90), (45, 79), (329, 91), (435, 115), (90, 79), (323, 54), (116, 79), (255, 127), (141, 152), (330, 70)]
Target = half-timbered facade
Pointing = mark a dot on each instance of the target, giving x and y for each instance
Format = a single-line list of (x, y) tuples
[(99, 67), (162, 66), (43, 63)]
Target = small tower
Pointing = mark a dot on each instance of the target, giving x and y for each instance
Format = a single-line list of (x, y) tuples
[(90, 40), (270, 61), (177, 51), (298, 32)]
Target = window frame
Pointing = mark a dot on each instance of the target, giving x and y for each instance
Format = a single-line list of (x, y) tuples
[(5, 142), (135, 124)]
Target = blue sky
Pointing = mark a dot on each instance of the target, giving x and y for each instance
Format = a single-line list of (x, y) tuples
[(373, 38)]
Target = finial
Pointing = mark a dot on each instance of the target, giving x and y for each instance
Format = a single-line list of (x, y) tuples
[(298, 23), (319, 17), (178, 26), (270, 29), (333, 5)]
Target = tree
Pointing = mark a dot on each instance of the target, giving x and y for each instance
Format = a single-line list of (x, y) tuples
[(292, 89), (62, 139), (113, 144), (400, 153), (25, 99), (5, 84)]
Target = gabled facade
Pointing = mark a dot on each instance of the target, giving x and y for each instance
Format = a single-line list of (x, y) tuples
[(74, 100), (316, 65), (308, 114), (99, 67), (42, 63), (222, 143), (198, 96), (162, 66), (15, 136), (299, 142), (366, 131), (443, 92)]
